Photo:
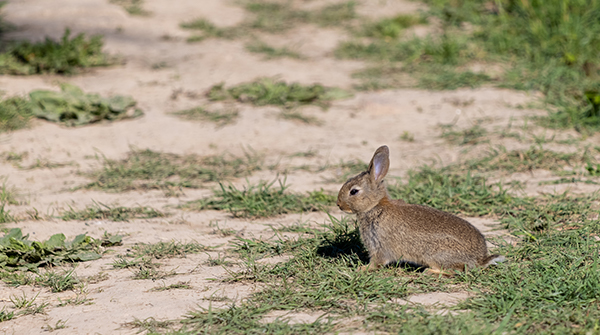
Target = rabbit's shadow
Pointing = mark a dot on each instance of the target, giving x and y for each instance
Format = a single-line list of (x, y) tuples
[(350, 245)]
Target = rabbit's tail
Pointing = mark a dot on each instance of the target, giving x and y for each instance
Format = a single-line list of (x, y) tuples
[(492, 260)]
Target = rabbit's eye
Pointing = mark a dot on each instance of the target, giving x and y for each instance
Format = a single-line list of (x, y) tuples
[(353, 191)]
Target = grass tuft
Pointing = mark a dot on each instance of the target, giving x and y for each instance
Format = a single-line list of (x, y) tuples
[(262, 200), (208, 30), (147, 169), (15, 114), (220, 117), (471, 136), (133, 7), (64, 57), (166, 249), (391, 28), (257, 46), (99, 211), (266, 91), (58, 282)]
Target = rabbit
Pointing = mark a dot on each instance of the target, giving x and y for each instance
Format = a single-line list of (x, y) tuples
[(394, 231)]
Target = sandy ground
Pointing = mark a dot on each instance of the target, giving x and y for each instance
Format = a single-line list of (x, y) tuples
[(352, 129)]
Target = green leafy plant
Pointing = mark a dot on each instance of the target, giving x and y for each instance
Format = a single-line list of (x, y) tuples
[(17, 252), (72, 107)]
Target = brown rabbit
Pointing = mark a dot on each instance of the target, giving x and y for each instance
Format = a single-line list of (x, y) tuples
[(393, 230)]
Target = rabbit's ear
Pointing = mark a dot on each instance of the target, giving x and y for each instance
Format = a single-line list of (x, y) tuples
[(380, 164)]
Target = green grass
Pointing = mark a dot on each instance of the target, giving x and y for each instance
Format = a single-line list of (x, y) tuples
[(147, 169), (151, 325), (266, 91), (407, 136), (382, 76), (99, 211), (468, 194), (273, 17), (551, 47), (60, 324), (166, 249), (262, 200), (260, 47), (140, 259), (133, 7), (58, 282), (5, 315), (15, 114), (549, 284), (391, 28), (221, 117), (295, 115), (471, 136), (531, 159), (67, 56), (177, 286), (208, 30), (277, 17)]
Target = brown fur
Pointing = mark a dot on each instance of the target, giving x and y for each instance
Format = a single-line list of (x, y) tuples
[(393, 230)]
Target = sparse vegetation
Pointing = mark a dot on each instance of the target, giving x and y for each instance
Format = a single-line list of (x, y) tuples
[(527, 160), (151, 325), (295, 115), (266, 91), (58, 282), (257, 46), (558, 58), (221, 117), (15, 113), (391, 28), (262, 200), (407, 136), (60, 324), (208, 30), (166, 249), (471, 136), (64, 57), (99, 211), (147, 169), (133, 7), (182, 285), (277, 17)]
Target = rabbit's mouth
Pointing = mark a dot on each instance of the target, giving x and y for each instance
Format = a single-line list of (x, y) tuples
[(344, 207)]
